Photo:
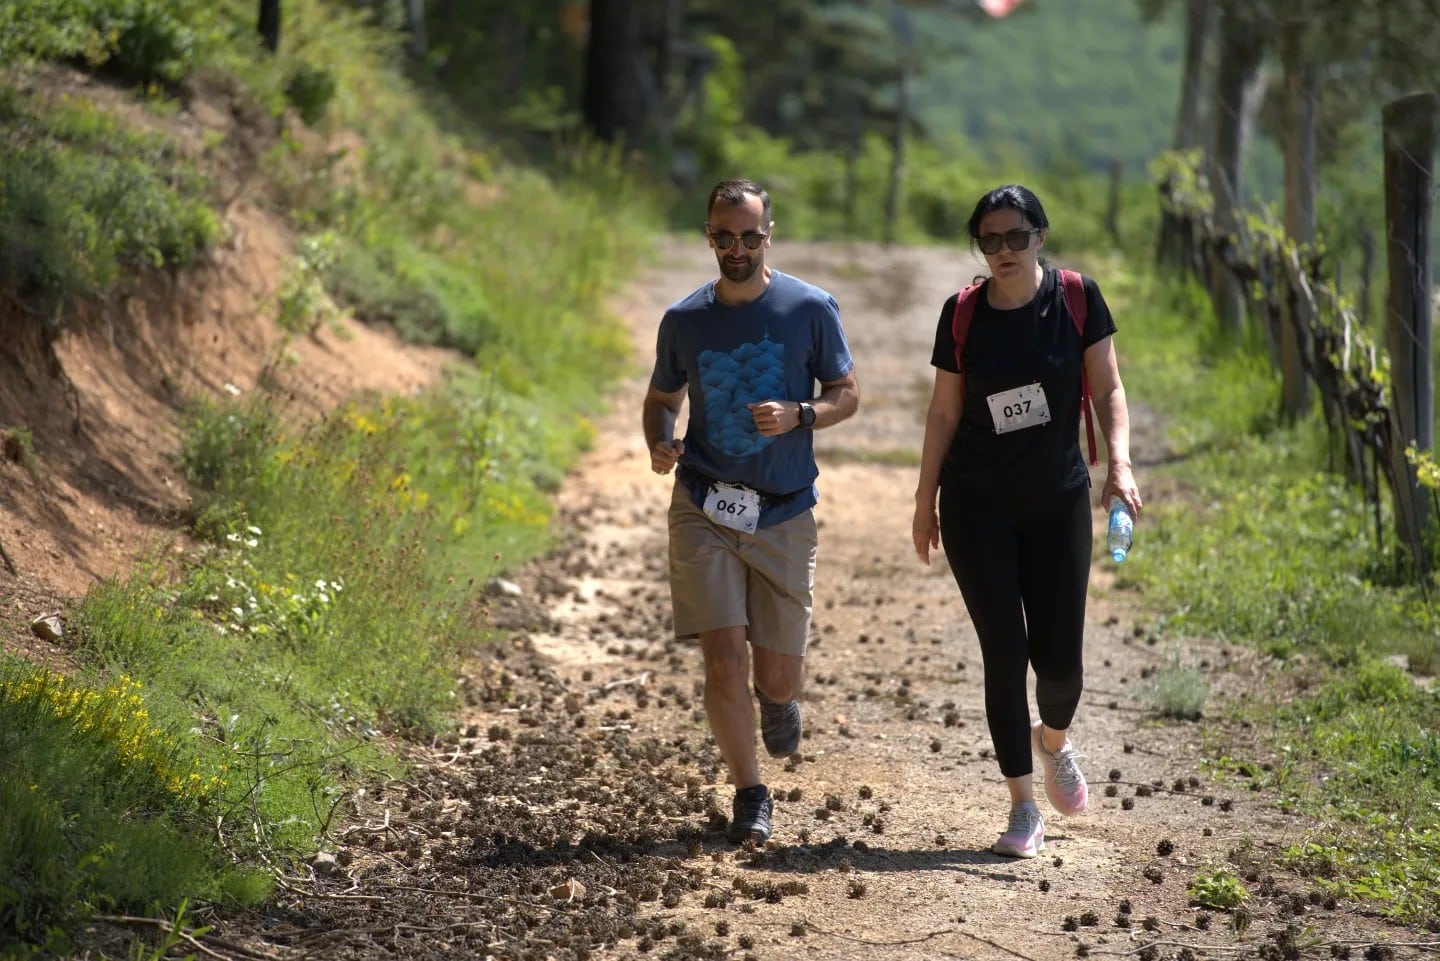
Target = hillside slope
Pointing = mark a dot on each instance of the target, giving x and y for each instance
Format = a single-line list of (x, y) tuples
[(89, 482)]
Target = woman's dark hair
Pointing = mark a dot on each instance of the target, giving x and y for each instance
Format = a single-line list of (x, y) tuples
[(1014, 197)]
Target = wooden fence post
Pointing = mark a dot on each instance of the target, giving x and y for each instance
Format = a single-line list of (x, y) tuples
[(1302, 85), (1409, 137)]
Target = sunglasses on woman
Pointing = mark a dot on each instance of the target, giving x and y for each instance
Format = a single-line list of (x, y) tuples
[(1017, 240), (724, 239)]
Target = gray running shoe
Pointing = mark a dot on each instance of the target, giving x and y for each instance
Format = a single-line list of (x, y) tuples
[(1024, 835), (779, 725), (1064, 783), (751, 812)]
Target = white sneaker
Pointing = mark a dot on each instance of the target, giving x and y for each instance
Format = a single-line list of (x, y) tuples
[(1024, 836), (1064, 784)]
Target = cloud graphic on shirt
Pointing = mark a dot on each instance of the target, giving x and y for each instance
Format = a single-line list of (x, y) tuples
[(729, 381)]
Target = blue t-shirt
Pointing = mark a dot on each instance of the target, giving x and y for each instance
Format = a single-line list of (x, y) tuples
[(774, 348)]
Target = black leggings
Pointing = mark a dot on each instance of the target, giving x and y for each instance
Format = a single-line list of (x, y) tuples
[(1023, 566)]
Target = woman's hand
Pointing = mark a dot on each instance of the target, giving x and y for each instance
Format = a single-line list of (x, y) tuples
[(1120, 482), (925, 531)]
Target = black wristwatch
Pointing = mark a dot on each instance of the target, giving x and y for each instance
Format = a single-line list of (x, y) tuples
[(807, 415)]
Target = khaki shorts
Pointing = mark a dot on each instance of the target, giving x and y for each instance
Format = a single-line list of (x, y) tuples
[(722, 578)]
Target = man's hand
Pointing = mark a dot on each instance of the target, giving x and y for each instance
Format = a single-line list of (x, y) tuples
[(664, 455), (774, 417)]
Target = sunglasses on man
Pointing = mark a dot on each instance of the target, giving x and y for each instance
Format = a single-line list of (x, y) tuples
[(724, 239), (1016, 240)]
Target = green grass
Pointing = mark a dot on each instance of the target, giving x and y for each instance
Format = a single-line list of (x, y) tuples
[(1374, 730), (1177, 690), (85, 200), (102, 810), (1256, 542)]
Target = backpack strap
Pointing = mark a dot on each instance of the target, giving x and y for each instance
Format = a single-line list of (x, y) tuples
[(1074, 286), (960, 320)]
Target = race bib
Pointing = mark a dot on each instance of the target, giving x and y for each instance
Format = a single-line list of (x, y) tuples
[(735, 507), (1019, 408)]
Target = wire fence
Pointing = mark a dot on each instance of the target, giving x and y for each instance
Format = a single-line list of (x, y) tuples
[(1288, 284)]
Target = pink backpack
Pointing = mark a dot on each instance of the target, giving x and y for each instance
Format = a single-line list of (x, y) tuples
[(1074, 288)]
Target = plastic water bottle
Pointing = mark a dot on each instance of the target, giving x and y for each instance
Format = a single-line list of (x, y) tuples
[(1121, 533)]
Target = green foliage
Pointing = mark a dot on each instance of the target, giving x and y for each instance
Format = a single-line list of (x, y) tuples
[(444, 240), (310, 90), (716, 115), (1374, 730), (492, 56), (391, 279), (103, 809), (1072, 84), (1266, 546), (17, 445), (136, 41), (304, 304), (223, 439), (1218, 891), (1178, 690), (1250, 484), (85, 199), (274, 657)]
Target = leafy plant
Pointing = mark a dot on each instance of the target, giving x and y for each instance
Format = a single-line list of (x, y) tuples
[(17, 445), (138, 41), (1217, 891), (310, 90), (304, 304), (1178, 690), (86, 198)]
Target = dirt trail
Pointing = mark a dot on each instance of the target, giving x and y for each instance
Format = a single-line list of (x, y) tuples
[(577, 813)]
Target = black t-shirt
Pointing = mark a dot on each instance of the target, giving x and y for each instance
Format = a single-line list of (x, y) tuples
[(1006, 349)]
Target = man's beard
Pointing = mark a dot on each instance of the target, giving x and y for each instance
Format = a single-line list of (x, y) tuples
[(737, 273)]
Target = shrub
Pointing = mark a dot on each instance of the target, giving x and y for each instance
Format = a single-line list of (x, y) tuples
[(310, 90), (137, 41), (85, 199), (1178, 690)]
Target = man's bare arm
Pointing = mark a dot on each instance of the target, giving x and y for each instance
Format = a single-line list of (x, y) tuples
[(658, 416)]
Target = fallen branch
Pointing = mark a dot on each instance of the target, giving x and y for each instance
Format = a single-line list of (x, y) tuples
[(191, 939), (640, 679), (811, 926)]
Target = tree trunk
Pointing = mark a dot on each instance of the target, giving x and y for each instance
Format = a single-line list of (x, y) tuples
[(612, 63), (1241, 47), (269, 25), (415, 26), (1112, 203), (1173, 244), (901, 20), (1301, 93), (1409, 135)]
